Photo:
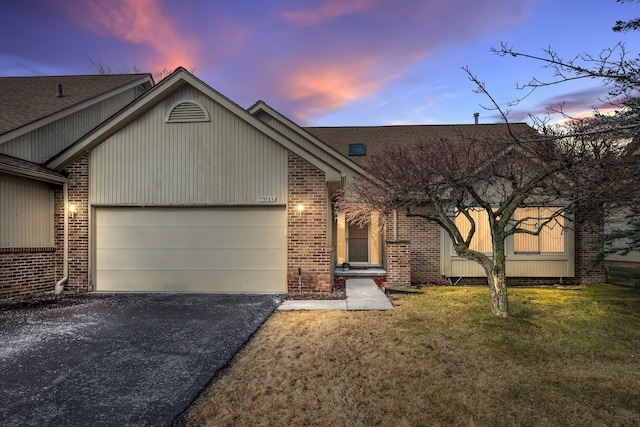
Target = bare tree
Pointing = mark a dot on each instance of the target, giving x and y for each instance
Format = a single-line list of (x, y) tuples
[(103, 68), (620, 74), (583, 164), (444, 181)]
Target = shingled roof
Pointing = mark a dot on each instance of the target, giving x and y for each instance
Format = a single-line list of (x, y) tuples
[(24, 100), (377, 138), (19, 167)]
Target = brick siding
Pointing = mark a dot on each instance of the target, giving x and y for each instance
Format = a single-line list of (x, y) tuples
[(307, 250), (78, 174), (398, 262), (424, 239), (27, 272), (589, 224)]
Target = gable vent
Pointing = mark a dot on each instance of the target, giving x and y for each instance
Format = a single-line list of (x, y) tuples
[(187, 111)]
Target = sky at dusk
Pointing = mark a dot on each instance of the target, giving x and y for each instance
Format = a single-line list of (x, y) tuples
[(326, 62)]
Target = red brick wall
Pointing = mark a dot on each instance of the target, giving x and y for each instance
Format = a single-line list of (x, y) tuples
[(27, 271), (398, 262), (589, 224), (424, 239), (307, 233), (78, 174)]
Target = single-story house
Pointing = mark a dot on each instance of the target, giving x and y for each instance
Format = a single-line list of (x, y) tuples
[(112, 183)]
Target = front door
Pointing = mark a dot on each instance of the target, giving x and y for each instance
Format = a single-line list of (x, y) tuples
[(358, 243)]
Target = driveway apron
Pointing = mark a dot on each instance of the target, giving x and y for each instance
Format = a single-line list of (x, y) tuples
[(118, 359)]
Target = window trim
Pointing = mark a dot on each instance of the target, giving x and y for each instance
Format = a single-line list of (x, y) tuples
[(539, 236), (510, 243), (481, 210)]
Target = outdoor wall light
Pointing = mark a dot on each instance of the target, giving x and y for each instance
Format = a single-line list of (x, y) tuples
[(73, 210), (300, 209)]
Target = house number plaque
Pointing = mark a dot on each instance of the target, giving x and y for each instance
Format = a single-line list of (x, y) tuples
[(267, 199)]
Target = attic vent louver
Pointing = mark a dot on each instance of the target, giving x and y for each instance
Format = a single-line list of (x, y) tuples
[(357, 149), (187, 111)]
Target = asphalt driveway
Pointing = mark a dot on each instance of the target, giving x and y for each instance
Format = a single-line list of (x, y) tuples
[(118, 359)]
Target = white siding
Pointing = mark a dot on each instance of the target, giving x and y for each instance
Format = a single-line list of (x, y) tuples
[(26, 213), (224, 161)]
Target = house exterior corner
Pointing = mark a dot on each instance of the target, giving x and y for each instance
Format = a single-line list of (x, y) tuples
[(310, 258)]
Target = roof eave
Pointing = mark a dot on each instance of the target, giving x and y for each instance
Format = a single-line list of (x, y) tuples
[(263, 106), (145, 80), (52, 178), (166, 86)]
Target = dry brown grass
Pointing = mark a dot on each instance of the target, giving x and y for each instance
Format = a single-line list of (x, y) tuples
[(565, 357)]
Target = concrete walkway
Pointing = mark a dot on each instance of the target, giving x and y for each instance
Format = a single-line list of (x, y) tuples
[(362, 294)]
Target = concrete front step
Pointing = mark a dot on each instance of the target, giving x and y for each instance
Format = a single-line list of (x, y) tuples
[(362, 294)]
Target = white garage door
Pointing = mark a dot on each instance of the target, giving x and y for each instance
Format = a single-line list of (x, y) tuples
[(191, 249)]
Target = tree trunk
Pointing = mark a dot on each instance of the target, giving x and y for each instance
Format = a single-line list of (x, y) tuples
[(497, 279), (498, 292)]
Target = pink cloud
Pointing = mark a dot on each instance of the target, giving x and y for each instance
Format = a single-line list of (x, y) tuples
[(313, 87), (333, 62), (327, 10), (317, 88), (142, 22), (579, 103)]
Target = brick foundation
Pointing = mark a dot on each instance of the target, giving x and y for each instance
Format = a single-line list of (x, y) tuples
[(424, 239), (27, 272), (398, 262)]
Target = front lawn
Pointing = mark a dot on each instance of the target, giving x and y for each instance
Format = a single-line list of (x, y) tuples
[(564, 357)]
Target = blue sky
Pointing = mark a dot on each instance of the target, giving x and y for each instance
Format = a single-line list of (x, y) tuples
[(325, 62)]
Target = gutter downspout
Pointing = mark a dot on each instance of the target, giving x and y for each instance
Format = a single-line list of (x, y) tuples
[(395, 225), (65, 264)]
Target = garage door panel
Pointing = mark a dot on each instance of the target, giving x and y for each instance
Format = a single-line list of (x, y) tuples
[(190, 237), (223, 217), (240, 249), (230, 281), (210, 259)]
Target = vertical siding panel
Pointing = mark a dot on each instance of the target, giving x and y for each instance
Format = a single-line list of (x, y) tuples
[(224, 161), (43, 143), (26, 217)]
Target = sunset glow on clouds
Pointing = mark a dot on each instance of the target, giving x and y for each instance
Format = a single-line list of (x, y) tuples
[(331, 63), (141, 22), (326, 10), (320, 88), (320, 62)]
